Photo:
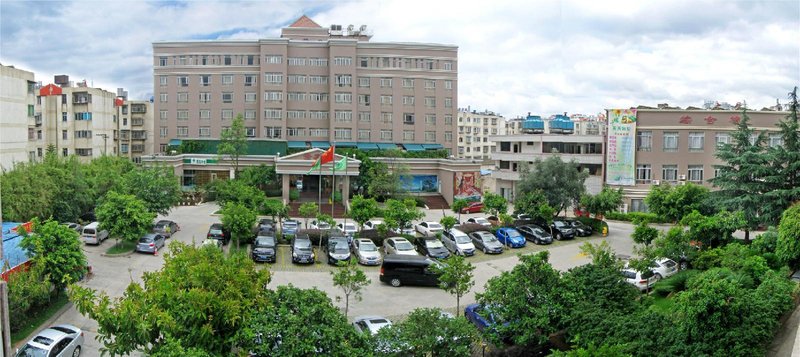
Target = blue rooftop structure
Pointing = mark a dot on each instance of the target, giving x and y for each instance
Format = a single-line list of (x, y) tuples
[(13, 254), (561, 124), (533, 124)]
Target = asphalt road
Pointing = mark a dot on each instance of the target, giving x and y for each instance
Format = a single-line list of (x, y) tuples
[(113, 274)]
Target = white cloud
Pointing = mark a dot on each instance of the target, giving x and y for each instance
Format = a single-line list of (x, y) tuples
[(514, 56)]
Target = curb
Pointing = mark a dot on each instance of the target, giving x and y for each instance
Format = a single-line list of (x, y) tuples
[(118, 255)]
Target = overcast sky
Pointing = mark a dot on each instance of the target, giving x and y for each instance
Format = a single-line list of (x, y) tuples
[(514, 57)]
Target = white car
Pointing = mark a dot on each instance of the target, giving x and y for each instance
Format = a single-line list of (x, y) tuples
[(366, 252), (480, 220), (642, 281), (408, 229), (212, 242), (348, 228), (319, 225), (372, 224), (399, 245), (370, 324), (59, 340), (664, 268), (458, 242), (429, 229)]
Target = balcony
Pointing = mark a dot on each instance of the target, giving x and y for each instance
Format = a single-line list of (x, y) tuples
[(81, 98), (137, 121), (139, 135), (125, 135), (137, 148), (138, 108), (38, 119)]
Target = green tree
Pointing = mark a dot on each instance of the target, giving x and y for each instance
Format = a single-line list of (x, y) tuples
[(72, 196), (261, 176), (401, 213), (675, 244), (308, 210), (28, 291), (362, 209), (32, 190), (458, 205), (784, 176), (157, 187), (740, 178), (238, 191), (351, 279), (713, 231), (787, 247), (124, 216), (494, 204), (275, 209), (448, 222), (456, 277), (103, 174), (535, 205), (674, 203), (561, 182), (427, 332), (200, 297), (233, 142), (384, 181), (298, 322), (58, 249), (601, 254), (608, 200), (239, 219), (644, 234)]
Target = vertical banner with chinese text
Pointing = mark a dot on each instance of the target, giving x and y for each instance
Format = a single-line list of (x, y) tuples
[(620, 150)]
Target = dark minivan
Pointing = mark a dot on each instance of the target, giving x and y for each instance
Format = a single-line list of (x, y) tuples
[(409, 270)]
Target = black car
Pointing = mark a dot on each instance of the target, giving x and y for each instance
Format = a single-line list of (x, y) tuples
[(264, 249), (266, 224), (486, 242), (337, 250), (399, 270), (562, 229), (581, 229), (302, 250), (432, 247), (535, 234), (218, 232)]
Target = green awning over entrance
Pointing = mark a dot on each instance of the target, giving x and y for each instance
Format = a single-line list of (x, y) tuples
[(320, 144), (413, 147), (386, 146), (175, 142), (297, 144), (367, 146), (432, 146), (345, 144)]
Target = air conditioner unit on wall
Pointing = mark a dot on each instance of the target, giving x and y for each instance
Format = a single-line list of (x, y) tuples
[(682, 177), (656, 182)]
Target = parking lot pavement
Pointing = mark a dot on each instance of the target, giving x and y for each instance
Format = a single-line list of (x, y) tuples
[(113, 274)]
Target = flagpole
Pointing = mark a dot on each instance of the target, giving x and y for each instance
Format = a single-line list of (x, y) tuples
[(333, 179), (346, 179), (319, 187)]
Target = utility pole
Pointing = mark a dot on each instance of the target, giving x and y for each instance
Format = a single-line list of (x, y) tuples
[(105, 142), (5, 329)]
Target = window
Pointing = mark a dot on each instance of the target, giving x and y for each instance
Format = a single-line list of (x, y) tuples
[(318, 132), (408, 135), (250, 80), (448, 136), (364, 117), (753, 138), (297, 61), (205, 97), (386, 135), (363, 82), (272, 132), (408, 100), (342, 133), (162, 80), (448, 119), (363, 99), (205, 80), (295, 114), (295, 132), (297, 78), (227, 97), (644, 140), (64, 135), (696, 140), (250, 97), (163, 97), (386, 100), (430, 102), (251, 60), (430, 84), (430, 136), (343, 97), (228, 60), (163, 114), (638, 205), (273, 96), (79, 152), (343, 61), (363, 134), (695, 173), (250, 114), (65, 152), (318, 62), (183, 97), (318, 79), (670, 141), (386, 117), (430, 119), (162, 61), (227, 114), (183, 114), (448, 102), (183, 131), (64, 116), (273, 78), (227, 79), (448, 85), (669, 173), (408, 118), (272, 114), (447, 66), (318, 97), (722, 138), (250, 132), (386, 83), (344, 80), (205, 114), (204, 132), (775, 140), (343, 116), (363, 61), (183, 81), (408, 83), (643, 173), (276, 59), (318, 114)]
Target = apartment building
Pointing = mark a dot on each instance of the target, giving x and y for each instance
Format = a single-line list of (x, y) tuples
[(75, 119), (17, 109), (474, 130), (310, 87), (135, 137), (678, 145)]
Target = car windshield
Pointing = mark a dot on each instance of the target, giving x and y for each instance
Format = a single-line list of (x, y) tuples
[(162, 224), (629, 274), (265, 241), (559, 224), (290, 224), (512, 233), (145, 240), (404, 246), (303, 244), (367, 247), (434, 243), (462, 239), (215, 231), (349, 227), (435, 226), (88, 231), (481, 220), (537, 230), (488, 238), (31, 351), (340, 248)]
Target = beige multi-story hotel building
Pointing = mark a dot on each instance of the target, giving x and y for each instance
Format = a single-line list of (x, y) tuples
[(17, 112), (678, 145), (474, 131), (310, 87)]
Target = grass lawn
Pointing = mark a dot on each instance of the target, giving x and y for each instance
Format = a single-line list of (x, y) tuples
[(39, 317), (233, 250), (122, 247), (662, 304)]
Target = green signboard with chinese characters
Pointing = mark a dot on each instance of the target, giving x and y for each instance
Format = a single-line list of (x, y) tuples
[(199, 161)]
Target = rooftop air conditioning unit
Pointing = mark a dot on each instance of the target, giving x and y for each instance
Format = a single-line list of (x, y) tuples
[(682, 177), (656, 182)]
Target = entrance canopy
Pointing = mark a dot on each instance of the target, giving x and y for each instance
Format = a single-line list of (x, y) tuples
[(301, 162)]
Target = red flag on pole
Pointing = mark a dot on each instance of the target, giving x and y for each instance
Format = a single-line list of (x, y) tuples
[(327, 156)]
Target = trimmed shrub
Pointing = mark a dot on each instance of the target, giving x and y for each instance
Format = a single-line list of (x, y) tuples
[(472, 227), (674, 283), (294, 195), (634, 216), (27, 291)]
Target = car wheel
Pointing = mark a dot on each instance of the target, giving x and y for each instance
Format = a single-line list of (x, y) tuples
[(658, 276), (76, 352), (684, 265), (395, 282), (485, 251), (558, 236)]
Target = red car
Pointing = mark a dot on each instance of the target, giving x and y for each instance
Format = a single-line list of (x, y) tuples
[(473, 207)]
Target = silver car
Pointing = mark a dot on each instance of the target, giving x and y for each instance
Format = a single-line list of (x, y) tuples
[(59, 340), (366, 252), (399, 245), (166, 228), (150, 243)]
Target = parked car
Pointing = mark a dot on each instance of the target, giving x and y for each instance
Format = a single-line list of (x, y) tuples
[(367, 252), (486, 242), (398, 245), (581, 229), (289, 227), (92, 234), (479, 316), (642, 281), (337, 250), (493, 221), (217, 243), (429, 229), (264, 249), (458, 242), (480, 220), (319, 225), (535, 234), (432, 247), (302, 250), (166, 228), (370, 324), (372, 224), (59, 340), (510, 237), (219, 232), (348, 228), (473, 207), (664, 268), (398, 270), (73, 226), (266, 224), (562, 229), (150, 243), (408, 229)]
